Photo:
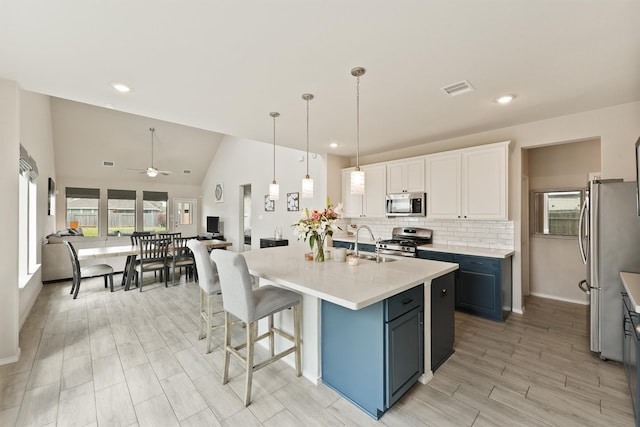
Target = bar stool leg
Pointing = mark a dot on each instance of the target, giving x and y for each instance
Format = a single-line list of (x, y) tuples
[(296, 336), (209, 316), (271, 346), (227, 344), (250, 343), (201, 323)]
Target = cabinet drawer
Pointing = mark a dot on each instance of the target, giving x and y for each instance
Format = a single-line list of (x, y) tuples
[(406, 301), (478, 264)]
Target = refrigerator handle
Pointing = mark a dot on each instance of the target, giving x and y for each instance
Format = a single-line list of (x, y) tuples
[(582, 230), (586, 288)]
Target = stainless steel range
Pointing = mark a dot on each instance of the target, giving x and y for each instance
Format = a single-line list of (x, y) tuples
[(404, 241)]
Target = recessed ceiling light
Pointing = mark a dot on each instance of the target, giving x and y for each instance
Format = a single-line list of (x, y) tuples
[(505, 99), (333, 145), (121, 87)]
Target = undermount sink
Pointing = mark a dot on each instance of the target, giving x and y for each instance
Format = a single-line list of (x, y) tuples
[(373, 258)]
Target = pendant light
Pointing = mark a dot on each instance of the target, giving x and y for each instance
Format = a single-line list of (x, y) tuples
[(357, 176), (274, 188), (307, 182)]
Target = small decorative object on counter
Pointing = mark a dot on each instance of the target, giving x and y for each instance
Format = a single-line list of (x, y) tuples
[(308, 256), (353, 260), (316, 226), (339, 254)]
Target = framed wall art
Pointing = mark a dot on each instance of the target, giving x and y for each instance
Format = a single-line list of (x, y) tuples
[(269, 205), (293, 204), (219, 193)]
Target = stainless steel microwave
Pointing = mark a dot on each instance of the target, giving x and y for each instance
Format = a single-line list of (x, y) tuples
[(406, 204)]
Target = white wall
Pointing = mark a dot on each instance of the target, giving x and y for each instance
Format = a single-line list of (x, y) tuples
[(9, 155), (242, 161), (555, 265), (37, 137), (618, 128)]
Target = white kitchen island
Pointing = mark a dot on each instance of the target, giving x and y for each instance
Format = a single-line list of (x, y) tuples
[(351, 287)]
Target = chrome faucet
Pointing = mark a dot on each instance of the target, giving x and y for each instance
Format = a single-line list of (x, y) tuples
[(357, 231)]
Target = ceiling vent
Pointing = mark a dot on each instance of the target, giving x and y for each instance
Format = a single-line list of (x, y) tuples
[(186, 171), (108, 163), (458, 88)]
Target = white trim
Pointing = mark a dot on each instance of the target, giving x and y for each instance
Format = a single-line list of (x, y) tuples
[(557, 298), (11, 359)]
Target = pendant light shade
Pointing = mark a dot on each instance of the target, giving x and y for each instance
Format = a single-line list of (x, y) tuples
[(274, 188), (357, 181), (307, 181), (357, 176)]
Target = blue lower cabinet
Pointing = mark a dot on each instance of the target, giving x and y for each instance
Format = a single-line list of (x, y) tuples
[(483, 285), (374, 355)]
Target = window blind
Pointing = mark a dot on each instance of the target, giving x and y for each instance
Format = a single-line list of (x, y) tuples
[(155, 196), (121, 194), (82, 193)]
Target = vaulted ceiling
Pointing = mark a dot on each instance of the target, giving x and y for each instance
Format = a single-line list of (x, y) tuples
[(222, 66)]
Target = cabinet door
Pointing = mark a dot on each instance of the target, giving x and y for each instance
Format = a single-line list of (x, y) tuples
[(414, 173), (375, 191), (479, 286), (395, 178), (442, 319), (443, 186), (404, 354), (352, 204), (484, 183)]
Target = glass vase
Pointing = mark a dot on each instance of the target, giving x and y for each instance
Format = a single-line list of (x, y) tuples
[(318, 249)]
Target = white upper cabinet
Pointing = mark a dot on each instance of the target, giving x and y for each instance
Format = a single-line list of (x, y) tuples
[(444, 186), (375, 177), (469, 183), (372, 204), (406, 176), (484, 182)]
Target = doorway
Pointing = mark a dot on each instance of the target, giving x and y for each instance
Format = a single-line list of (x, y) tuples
[(245, 218), (185, 217)]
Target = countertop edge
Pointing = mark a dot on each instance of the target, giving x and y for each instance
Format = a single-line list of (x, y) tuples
[(631, 283)]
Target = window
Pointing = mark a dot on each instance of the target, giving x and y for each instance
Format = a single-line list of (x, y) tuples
[(27, 215), (556, 213), (154, 206), (121, 212), (83, 209)]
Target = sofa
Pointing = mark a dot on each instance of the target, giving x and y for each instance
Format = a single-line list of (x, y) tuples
[(56, 264)]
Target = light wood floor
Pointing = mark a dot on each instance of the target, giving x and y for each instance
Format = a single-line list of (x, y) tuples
[(134, 359)]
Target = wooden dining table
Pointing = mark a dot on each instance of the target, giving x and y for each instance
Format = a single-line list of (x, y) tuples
[(131, 252)]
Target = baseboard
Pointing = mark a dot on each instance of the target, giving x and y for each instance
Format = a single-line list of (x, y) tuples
[(11, 359), (557, 298)]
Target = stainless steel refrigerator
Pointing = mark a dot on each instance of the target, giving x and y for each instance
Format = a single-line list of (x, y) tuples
[(609, 243)]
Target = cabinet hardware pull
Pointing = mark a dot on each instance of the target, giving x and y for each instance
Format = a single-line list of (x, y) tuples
[(477, 262), (444, 292), (407, 301)]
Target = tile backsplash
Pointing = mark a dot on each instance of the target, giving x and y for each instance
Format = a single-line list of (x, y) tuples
[(483, 234)]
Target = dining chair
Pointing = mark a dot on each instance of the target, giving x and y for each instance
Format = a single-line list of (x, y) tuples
[(242, 301), (84, 272), (209, 283), (181, 257), (153, 257)]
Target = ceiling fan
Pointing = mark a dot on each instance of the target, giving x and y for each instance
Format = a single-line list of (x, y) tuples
[(152, 171)]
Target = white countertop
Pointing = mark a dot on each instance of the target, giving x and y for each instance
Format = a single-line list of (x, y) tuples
[(631, 283), (353, 287), (439, 247)]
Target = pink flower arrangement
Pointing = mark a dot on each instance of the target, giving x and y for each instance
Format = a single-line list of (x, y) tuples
[(316, 225)]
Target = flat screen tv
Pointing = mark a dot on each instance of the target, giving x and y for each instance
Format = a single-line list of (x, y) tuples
[(213, 223)]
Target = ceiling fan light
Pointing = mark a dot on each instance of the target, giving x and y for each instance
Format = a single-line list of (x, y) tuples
[(357, 182), (274, 191), (152, 173), (307, 188)]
